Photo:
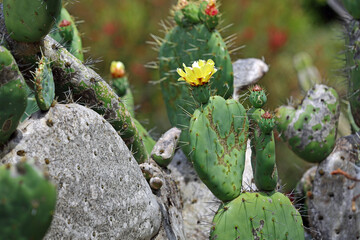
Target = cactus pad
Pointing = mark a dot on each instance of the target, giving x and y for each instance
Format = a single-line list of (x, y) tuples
[(310, 130), (27, 202), (67, 34), (257, 216), (12, 95), (218, 137), (29, 21), (44, 85)]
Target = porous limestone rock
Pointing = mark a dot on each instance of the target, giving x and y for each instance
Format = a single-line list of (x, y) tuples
[(199, 204), (333, 204), (101, 191)]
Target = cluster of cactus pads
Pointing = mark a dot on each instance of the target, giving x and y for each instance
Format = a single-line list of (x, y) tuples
[(218, 132), (217, 129)]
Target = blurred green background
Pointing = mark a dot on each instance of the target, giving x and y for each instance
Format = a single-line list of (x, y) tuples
[(273, 30)]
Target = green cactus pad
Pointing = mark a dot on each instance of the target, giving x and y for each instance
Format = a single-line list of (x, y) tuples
[(186, 45), (310, 130), (353, 7), (27, 202), (44, 85), (257, 216), (218, 137), (12, 95), (263, 161), (148, 141), (32, 105), (122, 89), (30, 21), (67, 34), (352, 67)]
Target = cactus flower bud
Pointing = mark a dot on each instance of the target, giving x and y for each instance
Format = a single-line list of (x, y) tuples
[(64, 23), (211, 9), (117, 69)]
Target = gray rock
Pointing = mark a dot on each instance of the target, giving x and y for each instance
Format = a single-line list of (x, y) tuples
[(334, 211), (247, 72), (199, 204), (101, 191)]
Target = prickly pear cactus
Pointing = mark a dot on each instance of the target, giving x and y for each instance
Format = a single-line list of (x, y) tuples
[(218, 136), (67, 34), (333, 200), (120, 83), (148, 141), (257, 97), (190, 39), (13, 95), (352, 67), (257, 216), (27, 202), (30, 21), (310, 129), (263, 154), (44, 85)]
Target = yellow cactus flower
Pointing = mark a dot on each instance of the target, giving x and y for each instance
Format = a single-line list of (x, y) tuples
[(117, 69), (199, 74)]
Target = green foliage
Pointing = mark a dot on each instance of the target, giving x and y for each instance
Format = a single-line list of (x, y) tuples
[(12, 95), (29, 21), (257, 216), (27, 202), (218, 137)]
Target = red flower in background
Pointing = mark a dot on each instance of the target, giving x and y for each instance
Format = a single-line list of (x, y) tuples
[(277, 38), (109, 28)]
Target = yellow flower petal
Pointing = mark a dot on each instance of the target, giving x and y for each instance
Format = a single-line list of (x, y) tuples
[(181, 72), (199, 74)]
